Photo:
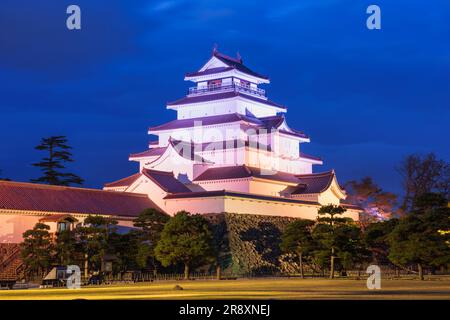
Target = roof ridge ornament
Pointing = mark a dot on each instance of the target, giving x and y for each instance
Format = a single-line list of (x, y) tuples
[(238, 56), (215, 49)]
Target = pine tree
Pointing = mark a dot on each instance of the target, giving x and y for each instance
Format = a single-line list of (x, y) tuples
[(150, 223), (52, 166), (416, 238), (37, 250), (185, 239), (297, 239), (328, 220)]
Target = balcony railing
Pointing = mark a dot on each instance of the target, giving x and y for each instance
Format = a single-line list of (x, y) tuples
[(226, 88)]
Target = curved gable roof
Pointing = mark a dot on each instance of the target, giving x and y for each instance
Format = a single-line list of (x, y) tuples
[(166, 181), (314, 182)]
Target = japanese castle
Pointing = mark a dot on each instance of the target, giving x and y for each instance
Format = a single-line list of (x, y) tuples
[(230, 149)]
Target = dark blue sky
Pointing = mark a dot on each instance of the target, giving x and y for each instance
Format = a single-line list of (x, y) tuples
[(366, 98)]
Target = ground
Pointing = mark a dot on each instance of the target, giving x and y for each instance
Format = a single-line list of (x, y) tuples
[(249, 289)]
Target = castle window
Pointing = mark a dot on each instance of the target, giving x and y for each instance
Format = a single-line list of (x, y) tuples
[(215, 83)]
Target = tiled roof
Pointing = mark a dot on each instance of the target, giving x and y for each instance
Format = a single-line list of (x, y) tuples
[(314, 182), (148, 153), (166, 181), (238, 172), (208, 71), (295, 133), (307, 156), (223, 95), (273, 121), (37, 197), (225, 193), (237, 64), (205, 121), (351, 206), (263, 123), (187, 151), (124, 182)]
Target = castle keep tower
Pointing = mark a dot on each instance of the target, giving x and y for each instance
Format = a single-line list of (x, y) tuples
[(228, 143)]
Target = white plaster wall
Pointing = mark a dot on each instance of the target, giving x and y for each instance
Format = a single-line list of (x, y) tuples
[(266, 188), (146, 186), (270, 208), (259, 110), (203, 206), (171, 161), (238, 185), (12, 226), (207, 109), (247, 206), (202, 134)]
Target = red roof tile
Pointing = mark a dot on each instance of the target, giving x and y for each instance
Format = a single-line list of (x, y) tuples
[(166, 181), (124, 182), (38, 197)]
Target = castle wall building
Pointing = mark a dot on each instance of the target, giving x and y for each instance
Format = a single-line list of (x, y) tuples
[(230, 149)]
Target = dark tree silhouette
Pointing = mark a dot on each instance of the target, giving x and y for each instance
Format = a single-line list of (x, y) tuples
[(53, 164), (423, 174), (377, 203)]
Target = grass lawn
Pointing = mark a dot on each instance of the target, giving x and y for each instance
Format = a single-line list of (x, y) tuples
[(249, 289)]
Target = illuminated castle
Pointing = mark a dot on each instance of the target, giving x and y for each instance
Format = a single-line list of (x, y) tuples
[(231, 150)]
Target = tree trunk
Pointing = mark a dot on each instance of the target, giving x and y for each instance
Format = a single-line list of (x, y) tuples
[(218, 272), (300, 258), (186, 271), (332, 264), (86, 267), (419, 266)]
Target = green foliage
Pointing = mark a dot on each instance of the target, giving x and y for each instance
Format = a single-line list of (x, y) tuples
[(37, 250), (94, 238), (51, 165), (151, 223), (338, 238), (185, 239), (416, 238), (297, 239), (376, 236), (124, 249), (350, 248), (66, 247)]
